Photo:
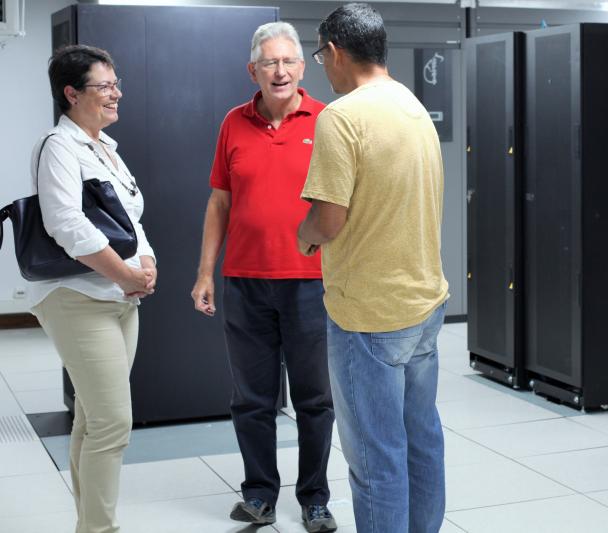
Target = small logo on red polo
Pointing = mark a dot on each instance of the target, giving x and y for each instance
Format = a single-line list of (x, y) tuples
[(307, 141)]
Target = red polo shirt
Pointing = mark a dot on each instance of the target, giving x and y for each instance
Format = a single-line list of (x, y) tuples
[(265, 170)]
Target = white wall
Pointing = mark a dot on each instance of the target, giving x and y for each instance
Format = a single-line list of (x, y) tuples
[(26, 112)]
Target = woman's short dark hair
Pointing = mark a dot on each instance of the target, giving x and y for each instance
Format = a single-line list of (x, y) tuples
[(70, 65), (358, 29)]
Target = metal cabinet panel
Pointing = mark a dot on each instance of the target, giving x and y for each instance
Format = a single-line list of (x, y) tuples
[(494, 173), (566, 215), (183, 68), (552, 204)]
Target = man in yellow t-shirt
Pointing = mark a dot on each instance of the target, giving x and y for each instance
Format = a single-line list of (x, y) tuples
[(376, 186)]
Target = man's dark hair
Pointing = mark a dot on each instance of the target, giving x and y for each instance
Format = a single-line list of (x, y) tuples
[(70, 65), (358, 29)]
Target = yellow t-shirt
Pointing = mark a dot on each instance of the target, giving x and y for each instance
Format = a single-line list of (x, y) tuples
[(377, 153)]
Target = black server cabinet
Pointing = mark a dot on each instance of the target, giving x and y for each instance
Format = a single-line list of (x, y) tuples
[(566, 214), (494, 179), (182, 68)]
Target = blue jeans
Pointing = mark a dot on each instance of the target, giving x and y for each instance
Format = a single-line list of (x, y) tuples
[(384, 387)]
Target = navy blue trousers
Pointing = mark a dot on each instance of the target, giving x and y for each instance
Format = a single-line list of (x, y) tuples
[(265, 321)]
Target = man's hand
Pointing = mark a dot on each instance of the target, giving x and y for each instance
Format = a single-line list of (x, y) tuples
[(306, 248), (203, 295), (322, 224)]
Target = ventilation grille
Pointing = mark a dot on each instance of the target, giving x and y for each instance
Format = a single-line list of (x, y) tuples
[(16, 429)]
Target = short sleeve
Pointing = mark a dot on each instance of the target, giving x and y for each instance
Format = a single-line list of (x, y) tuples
[(333, 165), (220, 171)]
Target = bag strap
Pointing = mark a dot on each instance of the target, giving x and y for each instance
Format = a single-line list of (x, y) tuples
[(4, 214), (39, 156), (6, 211)]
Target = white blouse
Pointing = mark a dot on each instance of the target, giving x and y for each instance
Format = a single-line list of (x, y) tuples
[(66, 161)]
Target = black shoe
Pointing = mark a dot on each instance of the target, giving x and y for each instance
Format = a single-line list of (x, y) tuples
[(255, 511), (318, 518)]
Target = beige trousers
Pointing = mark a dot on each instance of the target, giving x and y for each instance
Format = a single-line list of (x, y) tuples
[(96, 341)]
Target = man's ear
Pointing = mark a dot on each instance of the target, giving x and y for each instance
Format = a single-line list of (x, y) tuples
[(336, 53), (252, 73)]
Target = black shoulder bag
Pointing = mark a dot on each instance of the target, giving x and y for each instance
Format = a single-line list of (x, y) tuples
[(40, 257)]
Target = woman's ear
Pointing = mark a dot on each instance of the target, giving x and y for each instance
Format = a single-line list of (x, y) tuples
[(71, 94)]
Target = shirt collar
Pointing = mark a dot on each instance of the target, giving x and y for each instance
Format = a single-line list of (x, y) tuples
[(306, 105), (78, 134)]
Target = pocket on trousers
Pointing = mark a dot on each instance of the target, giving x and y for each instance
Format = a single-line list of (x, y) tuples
[(395, 347)]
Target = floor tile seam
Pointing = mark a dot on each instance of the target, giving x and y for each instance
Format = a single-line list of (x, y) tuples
[(53, 459), (12, 393), (499, 425), (28, 515), (18, 391), (39, 390), (516, 502), (202, 458), (514, 460), (603, 432), (549, 478), (37, 354), (28, 474), (33, 514), (13, 362), (65, 481), (459, 527), (561, 452), (568, 451), (589, 494), (46, 369), (289, 415), (172, 499), (17, 372), (536, 421)]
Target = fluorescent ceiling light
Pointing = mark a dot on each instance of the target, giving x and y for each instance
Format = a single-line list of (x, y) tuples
[(547, 4)]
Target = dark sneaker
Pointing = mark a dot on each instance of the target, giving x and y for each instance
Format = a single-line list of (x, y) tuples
[(318, 518), (255, 511)]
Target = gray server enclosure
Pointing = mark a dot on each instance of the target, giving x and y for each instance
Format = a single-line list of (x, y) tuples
[(495, 110), (566, 214), (182, 68)]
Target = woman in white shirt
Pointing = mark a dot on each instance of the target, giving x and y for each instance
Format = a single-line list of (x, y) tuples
[(92, 318)]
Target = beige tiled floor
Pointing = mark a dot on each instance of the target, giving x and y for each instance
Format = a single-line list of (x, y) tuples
[(514, 463)]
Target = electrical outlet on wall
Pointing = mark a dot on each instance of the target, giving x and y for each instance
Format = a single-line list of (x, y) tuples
[(19, 293)]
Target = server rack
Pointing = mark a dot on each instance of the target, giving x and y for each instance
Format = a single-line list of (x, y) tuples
[(183, 68), (566, 214), (495, 108)]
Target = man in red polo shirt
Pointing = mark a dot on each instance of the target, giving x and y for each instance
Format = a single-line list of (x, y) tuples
[(273, 296)]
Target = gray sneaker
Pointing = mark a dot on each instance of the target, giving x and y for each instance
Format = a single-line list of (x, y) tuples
[(254, 511), (318, 518)]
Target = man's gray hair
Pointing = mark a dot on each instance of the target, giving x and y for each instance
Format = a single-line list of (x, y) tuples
[(274, 30)]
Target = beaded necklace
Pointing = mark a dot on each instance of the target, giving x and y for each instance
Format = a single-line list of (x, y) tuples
[(132, 189)]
